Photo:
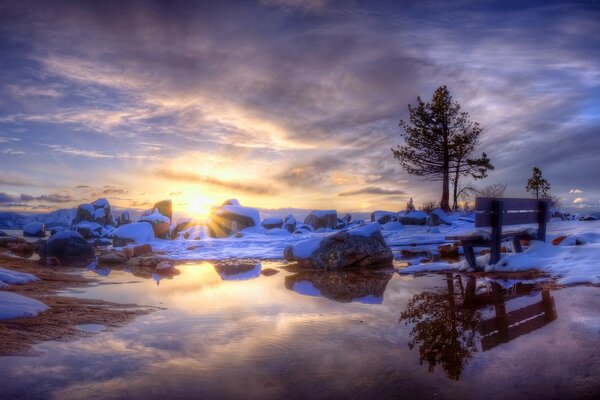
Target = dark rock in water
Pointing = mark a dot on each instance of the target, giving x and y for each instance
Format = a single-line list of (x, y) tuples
[(34, 229), (322, 219), (238, 271), (69, 247), (231, 218), (342, 286), (272, 223), (438, 217), (413, 218), (363, 246)]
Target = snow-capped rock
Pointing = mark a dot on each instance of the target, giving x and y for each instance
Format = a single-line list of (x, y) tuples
[(161, 224), (322, 219), (270, 223), (362, 246), (69, 247), (137, 232), (383, 217), (438, 217), (413, 218), (231, 218), (34, 229)]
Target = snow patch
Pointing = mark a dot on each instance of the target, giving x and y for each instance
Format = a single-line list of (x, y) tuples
[(14, 305)]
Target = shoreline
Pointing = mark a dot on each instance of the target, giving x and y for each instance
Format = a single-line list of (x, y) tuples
[(65, 313)]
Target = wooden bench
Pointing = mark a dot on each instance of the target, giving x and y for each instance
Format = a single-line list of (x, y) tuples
[(496, 213)]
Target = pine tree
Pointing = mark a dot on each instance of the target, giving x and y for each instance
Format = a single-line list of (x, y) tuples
[(538, 185), (439, 138), (410, 206)]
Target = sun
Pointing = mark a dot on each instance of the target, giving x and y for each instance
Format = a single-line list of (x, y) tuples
[(199, 207)]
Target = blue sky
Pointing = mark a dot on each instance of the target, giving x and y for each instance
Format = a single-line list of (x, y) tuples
[(286, 103)]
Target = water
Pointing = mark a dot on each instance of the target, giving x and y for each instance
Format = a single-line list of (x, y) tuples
[(309, 335)]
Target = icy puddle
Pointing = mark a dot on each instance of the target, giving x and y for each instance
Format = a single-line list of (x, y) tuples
[(260, 331)]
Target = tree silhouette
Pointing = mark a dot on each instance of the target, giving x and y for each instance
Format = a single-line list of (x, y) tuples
[(439, 139), (537, 184)]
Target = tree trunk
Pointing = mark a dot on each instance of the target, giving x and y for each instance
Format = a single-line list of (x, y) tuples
[(455, 194), (445, 202)]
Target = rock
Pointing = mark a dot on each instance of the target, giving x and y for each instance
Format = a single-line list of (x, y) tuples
[(164, 207), (101, 242), (123, 219), (21, 249), (271, 223), (116, 257), (438, 217), (7, 241), (231, 218), (34, 229), (88, 230), (56, 229), (383, 217), (588, 218), (3, 234), (269, 272), (85, 212), (69, 247), (49, 262), (302, 229), (231, 202), (181, 225), (322, 219), (413, 218), (362, 246), (197, 232), (238, 271), (449, 251), (137, 232), (144, 261), (161, 224), (289, 224), (98, 212)]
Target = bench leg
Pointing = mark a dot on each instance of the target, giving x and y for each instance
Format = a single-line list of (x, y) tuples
[(495, 252), (470, 255), (517, 245)]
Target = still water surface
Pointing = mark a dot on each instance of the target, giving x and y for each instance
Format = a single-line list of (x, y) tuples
[(242, 332)]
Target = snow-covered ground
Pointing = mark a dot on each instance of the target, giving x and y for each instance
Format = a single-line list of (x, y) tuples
[(569, 262)]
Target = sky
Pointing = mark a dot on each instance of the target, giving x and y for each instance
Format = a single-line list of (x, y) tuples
[(287, 103)]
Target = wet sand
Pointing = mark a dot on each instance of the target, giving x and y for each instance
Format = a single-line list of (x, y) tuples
[(60, 321)]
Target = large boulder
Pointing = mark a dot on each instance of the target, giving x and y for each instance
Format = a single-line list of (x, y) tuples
[(231, 218), (137, 232), (271, 223), (322, 219), (413, 218), (98, 212), (164, 207), (69, 247), (89, 230), (362, 246), (161, 224), (383, 217), (34, 229), (438, 217)]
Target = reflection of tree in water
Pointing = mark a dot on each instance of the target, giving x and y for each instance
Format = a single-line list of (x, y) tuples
[(444, 328)]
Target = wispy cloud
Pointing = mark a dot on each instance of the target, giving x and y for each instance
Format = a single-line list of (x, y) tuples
[(372, 190), (252, 188)]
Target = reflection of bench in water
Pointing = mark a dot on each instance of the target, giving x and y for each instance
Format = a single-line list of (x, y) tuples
[(506, 326)]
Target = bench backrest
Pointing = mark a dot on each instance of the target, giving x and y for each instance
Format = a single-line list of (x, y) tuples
[(513, 211)]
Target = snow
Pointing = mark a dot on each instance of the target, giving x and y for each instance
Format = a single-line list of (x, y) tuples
[(272, 221), (393, 226), (240, 210), (9, 277), (196, 232), (305, 248), (88, 207), (14, 305), (442, 216), (139, 232), (101, 203), (154, 218), (278, 232), (415, 214), (365, 230), (99, 213), (380, 214)]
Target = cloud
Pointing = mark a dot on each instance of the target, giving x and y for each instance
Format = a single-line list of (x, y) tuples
[(579, 200), (207, 180), (115, 191), (576, 191), (25, 198), (372, 190)]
